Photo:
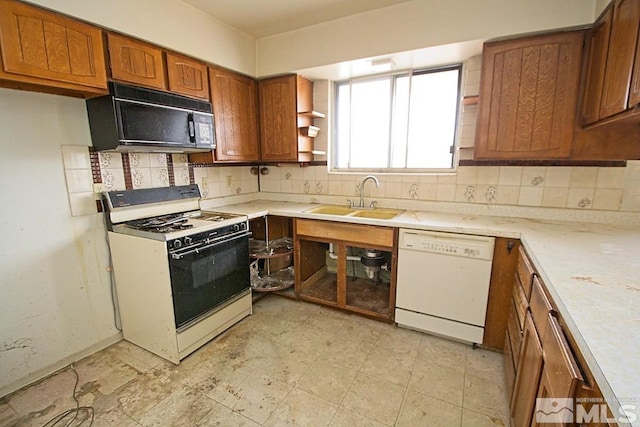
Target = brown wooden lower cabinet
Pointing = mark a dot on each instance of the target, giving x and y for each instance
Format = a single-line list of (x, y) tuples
[(542, 361), (329, 272), (527, 376), (505, 258), (560, 379)]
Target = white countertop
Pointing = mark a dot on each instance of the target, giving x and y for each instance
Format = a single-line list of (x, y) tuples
[(592, 272)]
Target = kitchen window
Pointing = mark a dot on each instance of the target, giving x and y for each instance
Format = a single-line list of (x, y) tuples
[(400, 122)]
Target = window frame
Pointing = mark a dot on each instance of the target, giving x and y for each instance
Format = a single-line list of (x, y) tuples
[(394, 75)]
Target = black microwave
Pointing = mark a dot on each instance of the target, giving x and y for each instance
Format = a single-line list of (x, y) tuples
[(144, 120)]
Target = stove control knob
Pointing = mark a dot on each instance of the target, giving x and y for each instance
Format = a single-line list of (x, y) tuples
[(188, 240), (236, 227), (177, 244)]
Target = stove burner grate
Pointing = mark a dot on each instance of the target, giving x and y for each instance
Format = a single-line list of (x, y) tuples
[(159, 223)]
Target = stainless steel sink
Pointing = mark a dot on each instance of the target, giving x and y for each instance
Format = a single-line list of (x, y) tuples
[(375, 213)]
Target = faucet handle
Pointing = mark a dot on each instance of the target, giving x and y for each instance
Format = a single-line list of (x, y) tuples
[(350, 203), (373, 204)]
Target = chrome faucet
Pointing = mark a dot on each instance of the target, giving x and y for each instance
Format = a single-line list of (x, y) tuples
[(366, 178)]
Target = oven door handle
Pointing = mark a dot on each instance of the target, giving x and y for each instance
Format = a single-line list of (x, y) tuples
[(196, 250)]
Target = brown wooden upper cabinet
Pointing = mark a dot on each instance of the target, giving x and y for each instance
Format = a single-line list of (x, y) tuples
[(47, 51), (611, 84), (528, 96), (235, 105), (278, 118), (187, 76), (136, 62), (596, 45), (634, 92), (286, 111)]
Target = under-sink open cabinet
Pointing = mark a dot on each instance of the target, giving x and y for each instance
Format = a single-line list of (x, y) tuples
[(347, 266)]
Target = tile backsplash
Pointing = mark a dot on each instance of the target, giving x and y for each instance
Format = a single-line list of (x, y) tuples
[(127, 171), (609, 189), (79, 178), (599, 188)]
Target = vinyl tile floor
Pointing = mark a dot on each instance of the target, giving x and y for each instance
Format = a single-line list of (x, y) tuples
[(290, 363)]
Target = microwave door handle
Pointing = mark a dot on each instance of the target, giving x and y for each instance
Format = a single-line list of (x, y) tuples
[(192, 127)]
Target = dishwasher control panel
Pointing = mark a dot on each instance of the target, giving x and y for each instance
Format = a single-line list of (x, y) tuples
[(461, 245)]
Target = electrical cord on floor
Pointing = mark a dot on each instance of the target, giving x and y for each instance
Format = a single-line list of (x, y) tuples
[(80, 413)]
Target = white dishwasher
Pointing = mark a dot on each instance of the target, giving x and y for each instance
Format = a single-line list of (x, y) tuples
[(443, 283)]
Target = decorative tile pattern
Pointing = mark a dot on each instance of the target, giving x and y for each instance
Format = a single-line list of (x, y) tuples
[(113, 179), (413, 191), (469, 193), (171, 170), (490, 194), (585, 202), (537, 180), (139, 160), (95, 166), (157, 160), (110, 160), (126, 169), (159, 177)]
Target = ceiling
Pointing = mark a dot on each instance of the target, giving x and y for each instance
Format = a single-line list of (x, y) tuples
[(262, 18)]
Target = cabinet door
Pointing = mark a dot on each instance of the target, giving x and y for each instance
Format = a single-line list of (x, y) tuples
[(560, 378), (187, 76), (278, 118), (133, 61), (634, 92), (528, 96), (234, 99), (597, 42), (41, 44), (528, 376), (620, 55)]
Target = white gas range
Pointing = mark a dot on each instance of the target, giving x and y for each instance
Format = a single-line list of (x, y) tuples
[(181, 275)]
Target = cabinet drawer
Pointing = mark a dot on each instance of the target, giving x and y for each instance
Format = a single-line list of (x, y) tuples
[(540, 307), (520, 302), (562, 376), (525, 272), (514, 333), (527, 377), (363, 234), (509, 365)]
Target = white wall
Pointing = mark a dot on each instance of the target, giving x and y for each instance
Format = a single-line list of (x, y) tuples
[(55, 288), (169, 23), (414, 25)]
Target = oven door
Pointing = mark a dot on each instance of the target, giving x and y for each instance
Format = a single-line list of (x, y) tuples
[(206, 277)]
